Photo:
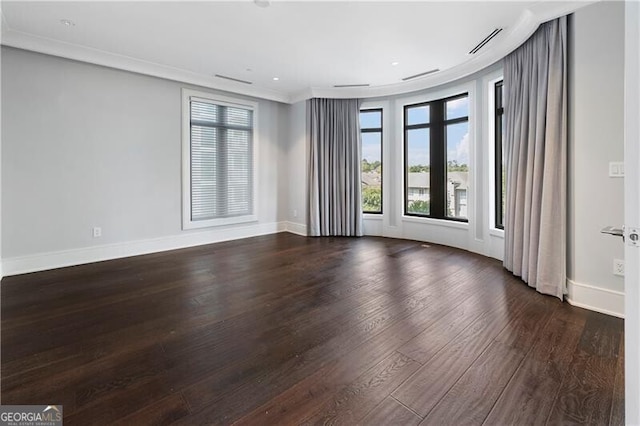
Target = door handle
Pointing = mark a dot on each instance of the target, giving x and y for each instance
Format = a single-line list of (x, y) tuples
[(618, 232), (634, 237)]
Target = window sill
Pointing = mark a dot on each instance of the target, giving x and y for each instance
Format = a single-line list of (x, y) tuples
[(436, 222), (218, 222), (496, 232), (372, 216)]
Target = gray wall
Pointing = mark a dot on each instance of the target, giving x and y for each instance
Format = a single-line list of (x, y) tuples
[(296, 155), (85, 146), (596, 100)]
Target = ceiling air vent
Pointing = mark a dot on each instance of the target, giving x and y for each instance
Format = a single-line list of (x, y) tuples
[(351, 85), (422, 74), (486, 40), (233, 79)]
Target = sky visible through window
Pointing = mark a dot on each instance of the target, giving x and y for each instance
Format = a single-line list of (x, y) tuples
[(457, 135), (370, 141), (371, 147), (418, 143)]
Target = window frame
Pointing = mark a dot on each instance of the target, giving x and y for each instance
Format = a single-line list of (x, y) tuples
[(187, 96), (437, 126), (381, 131), (498, 117)]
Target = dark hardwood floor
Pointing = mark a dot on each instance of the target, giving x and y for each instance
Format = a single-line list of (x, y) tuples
[(283, 329)]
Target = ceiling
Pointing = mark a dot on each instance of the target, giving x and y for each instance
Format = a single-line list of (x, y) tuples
[(309, 46)]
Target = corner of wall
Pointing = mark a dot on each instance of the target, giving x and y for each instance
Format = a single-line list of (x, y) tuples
[(296, 228), (596, 299)]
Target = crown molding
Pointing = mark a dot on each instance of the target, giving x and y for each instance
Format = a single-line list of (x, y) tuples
[(76, 52), (503, 44)]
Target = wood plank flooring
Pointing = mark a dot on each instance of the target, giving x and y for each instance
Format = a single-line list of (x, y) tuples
[(283, 329)]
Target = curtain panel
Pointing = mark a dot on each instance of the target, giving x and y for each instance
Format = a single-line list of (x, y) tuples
[(335, 202), (535, 82)]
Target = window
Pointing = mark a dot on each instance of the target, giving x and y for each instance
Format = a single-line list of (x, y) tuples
[(436, 136), (371, 132), (499, 177), (218, 160)]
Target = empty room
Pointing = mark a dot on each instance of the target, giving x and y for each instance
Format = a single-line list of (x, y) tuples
[(270, 212)]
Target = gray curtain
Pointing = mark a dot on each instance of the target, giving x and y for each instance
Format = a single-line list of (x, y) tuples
[(535, 82), (335, 205)]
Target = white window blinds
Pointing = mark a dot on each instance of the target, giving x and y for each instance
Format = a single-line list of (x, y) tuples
[(221, 160)]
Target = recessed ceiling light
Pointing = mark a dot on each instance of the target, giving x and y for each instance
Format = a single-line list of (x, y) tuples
[(394, 63), (262, 3), (276, 78), (67, 23)]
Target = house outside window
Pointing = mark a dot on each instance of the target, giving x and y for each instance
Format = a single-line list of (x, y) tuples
[(371, 167), (437, 158)]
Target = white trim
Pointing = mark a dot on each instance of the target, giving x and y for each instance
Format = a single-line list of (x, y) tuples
[(468, 87), (296, 228), (60, 259), (187, 96), (488, 83), (445, 223), (594, 298), (496, 232)]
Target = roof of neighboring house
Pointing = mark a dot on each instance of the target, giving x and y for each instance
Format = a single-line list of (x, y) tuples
[(462, 178), (418, 179), (371, 178), (421, 179)]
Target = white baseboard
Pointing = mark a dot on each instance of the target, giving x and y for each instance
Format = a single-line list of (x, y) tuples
[(595, 298), (60, 259), (297, 228), (582, 295)]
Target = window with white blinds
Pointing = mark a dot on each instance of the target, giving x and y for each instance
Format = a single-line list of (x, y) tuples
[(218, 152)]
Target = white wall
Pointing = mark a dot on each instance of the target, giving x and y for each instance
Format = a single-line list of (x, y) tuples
[(85, 146), (596, 100)]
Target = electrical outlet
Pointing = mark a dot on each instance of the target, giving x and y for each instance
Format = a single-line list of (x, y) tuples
[(618, 267), (616, 169), (295, 213), (97, 232)]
